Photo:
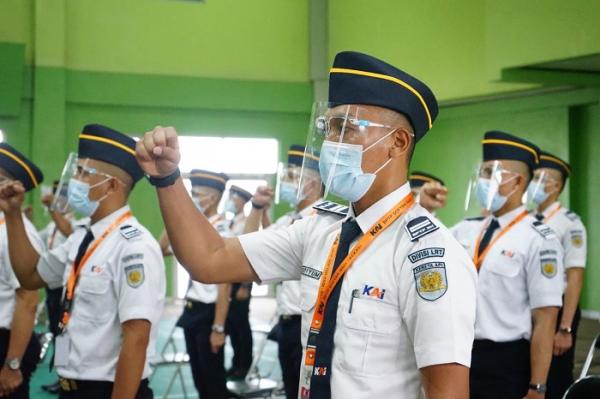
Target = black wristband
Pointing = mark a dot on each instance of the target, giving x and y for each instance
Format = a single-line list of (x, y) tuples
[(164, 181), (256, 206)]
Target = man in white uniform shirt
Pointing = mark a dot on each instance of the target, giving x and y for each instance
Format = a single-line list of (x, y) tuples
[(19, 347), (519, 261), (545, 189), (397, 315), (288, 330), (205, 312), (113, 273)]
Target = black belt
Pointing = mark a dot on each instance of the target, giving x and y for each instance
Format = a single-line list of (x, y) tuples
[(71, 385), (286, 318), (191, 304)]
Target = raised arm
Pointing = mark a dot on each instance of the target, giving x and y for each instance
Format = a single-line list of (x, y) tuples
[(23, 256), (197, 245)]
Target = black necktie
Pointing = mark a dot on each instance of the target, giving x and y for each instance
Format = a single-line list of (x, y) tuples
[(320, 380), (487, 237), (539, 217), (85, 243)]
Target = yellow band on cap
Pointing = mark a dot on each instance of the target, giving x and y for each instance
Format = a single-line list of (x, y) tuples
[(303, 154), (207, 176), (421, 177), (556, 160), (107, 141), (23, 165), (391, 79), (514, 144)]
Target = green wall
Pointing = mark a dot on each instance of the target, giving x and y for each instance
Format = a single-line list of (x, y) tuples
[(241, 68)]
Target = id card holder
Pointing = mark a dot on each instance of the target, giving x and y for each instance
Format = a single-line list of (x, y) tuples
[(62, 348)]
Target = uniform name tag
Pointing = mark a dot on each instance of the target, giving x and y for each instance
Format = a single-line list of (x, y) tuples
[(62, 348), (312, 273)]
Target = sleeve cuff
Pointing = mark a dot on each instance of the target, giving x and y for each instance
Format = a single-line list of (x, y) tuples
[(443, 354), (137, 313), (52, 279)]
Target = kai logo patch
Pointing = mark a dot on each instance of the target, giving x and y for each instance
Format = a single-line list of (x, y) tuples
[(549, 266), (373, 292), (135, 275), (430, 280)]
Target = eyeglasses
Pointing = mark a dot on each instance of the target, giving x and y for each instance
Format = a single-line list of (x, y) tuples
[(83, 172), (333, 127)]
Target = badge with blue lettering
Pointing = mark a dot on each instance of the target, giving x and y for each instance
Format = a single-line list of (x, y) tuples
[(548, 266), (430, 280), (135, 275)]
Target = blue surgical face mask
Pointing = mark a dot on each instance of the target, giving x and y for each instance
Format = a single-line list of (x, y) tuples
[(482, 191), (536, 192), (79, 197), (288, 192), (345, 162), (198, 204), (230, 207)]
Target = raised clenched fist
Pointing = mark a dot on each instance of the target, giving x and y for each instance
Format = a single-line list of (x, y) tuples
[(12, 194), (157, 152), (263, 196)]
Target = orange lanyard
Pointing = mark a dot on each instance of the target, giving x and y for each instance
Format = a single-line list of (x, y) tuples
[(52, 237), (552, 214), (329, 281), (74, 276), (478, 259)]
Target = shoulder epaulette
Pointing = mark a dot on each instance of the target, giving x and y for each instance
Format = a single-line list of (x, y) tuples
[(572, 215), (332, 207), (543, 229), (128, 231), (420, 227)]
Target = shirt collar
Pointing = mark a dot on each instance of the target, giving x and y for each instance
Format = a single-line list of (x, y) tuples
[(508, 217), (551, 208), (101, 225), (376, 211)]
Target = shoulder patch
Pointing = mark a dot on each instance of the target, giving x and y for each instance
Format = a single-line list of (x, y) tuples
[(474, 219), (332, 207), (572, 216), (135, 275), (129, 232), (420, 227), (434, 252), (430, 280), (543, 230), (577, 238)]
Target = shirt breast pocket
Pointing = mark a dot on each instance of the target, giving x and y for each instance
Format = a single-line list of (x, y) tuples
[(370, 337), (93, 300), (504, 267)]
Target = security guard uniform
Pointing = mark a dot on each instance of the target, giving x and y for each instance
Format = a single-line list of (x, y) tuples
[(238, 317), (573, 236), (208, 368), (407, 301), (122, 279), (23, 170), (517, 275)]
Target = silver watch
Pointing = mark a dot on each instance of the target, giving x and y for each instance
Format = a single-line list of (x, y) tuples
[(539, 388), (218, 328), (13, 364)]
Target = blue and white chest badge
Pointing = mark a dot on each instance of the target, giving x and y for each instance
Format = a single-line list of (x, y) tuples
[(430, 280)]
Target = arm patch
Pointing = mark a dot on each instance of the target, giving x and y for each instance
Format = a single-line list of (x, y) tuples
[(332, 207)]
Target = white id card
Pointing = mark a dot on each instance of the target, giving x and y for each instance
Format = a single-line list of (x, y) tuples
[(62, 347)]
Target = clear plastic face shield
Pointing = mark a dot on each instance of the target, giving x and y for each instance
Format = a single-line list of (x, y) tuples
[(540, 188), (78, 171), (485, 191), (339, 136), (287, 189)]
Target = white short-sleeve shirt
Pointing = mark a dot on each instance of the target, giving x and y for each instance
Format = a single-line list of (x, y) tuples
[(407, 302), (8, 280), (124, 279), (520, 272)]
